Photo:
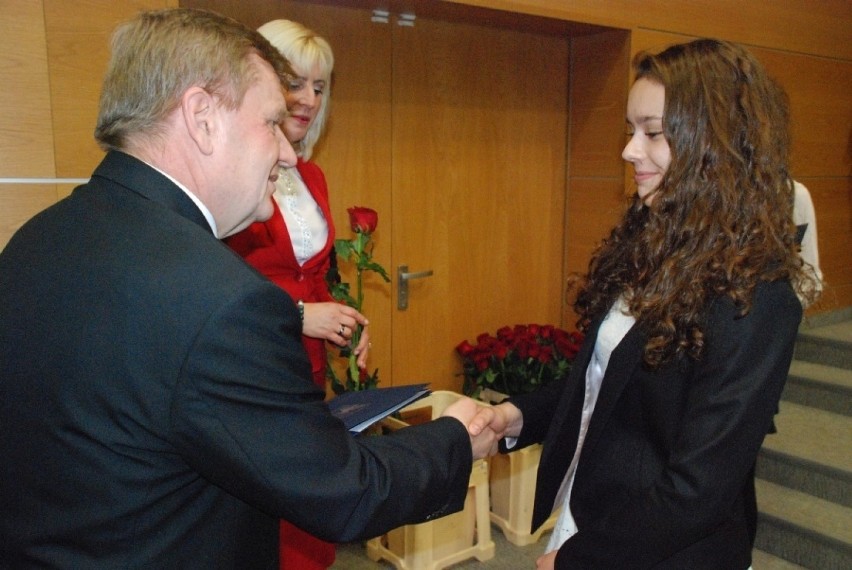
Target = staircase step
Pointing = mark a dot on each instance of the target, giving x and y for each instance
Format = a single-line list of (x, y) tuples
[(826, 387), (812, 434), (761, 560), (803, 529), (810, 453), (830, 345)]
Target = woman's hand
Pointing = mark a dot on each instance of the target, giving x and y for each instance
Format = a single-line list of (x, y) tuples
[(546, 561), (336, 323), (505, 419), (363, 348)]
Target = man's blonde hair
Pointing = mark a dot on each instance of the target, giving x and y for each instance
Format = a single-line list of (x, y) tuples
[(158, 55)]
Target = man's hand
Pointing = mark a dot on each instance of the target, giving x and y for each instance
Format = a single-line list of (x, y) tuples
[(504, 419), (484, 443)]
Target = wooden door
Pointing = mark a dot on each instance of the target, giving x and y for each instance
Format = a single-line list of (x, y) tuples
[(479, 131)]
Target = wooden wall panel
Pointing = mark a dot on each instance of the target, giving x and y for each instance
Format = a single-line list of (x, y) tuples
[(595, 195), (805, 26), (20, 203), (820, 92), (26, 140), (63, 190), (78, 48), (832, 197), (599, 84)]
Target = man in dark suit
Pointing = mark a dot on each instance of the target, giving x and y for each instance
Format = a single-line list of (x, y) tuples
[(156, 405)]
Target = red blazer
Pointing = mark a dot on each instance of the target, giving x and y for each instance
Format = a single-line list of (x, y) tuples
[(266, 246)]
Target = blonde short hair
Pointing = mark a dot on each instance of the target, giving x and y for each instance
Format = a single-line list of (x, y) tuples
[(306, 50), (160, 54)]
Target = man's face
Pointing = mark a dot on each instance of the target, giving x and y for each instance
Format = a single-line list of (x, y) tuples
[(251, 148)]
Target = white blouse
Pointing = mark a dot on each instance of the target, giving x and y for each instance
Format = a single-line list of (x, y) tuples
[(616, 324), (302, 215)]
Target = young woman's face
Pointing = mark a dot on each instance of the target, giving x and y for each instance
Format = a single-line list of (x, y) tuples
[(304, 96), (647, 150)]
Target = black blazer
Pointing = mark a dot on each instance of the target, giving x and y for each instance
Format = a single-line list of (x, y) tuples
[(663, 473), (156, 405)]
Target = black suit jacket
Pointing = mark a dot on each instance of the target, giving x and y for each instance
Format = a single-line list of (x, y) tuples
[(156, 405), (663, 474)]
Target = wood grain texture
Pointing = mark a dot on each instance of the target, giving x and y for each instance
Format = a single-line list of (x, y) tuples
[(599, 64), (78, 37), (804, 26), (832, 198), (26, 137), (20, 203), (479, 184)]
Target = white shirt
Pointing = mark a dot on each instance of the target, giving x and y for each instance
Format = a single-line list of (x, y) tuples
[(612, 331), (803, 213), (207, 215)]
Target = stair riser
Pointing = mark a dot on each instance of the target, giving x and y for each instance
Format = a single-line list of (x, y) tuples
[(801, 546), (818, 394), (819, 481), (823, 351)]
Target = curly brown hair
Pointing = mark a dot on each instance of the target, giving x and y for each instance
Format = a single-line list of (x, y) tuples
[(721, 220)]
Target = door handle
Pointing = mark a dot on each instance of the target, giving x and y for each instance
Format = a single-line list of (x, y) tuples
[(402, 278)]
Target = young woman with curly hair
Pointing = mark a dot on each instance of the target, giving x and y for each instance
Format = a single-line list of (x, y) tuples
[(690, 311)]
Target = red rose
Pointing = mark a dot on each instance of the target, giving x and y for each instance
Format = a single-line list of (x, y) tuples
[(464, 348), (481, 362), (501, 350), (363, 220), (505, 333)]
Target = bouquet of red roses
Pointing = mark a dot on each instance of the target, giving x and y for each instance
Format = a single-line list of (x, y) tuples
[(518, 359)]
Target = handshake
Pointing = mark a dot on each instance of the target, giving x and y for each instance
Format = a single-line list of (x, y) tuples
[(486, 425)]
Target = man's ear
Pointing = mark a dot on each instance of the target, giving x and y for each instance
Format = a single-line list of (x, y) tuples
[(199, 112)]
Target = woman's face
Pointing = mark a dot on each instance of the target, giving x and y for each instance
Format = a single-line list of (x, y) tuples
[(303, 97), (647, 150)]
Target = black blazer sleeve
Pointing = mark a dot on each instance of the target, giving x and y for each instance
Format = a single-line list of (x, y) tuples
[(269, 439)]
